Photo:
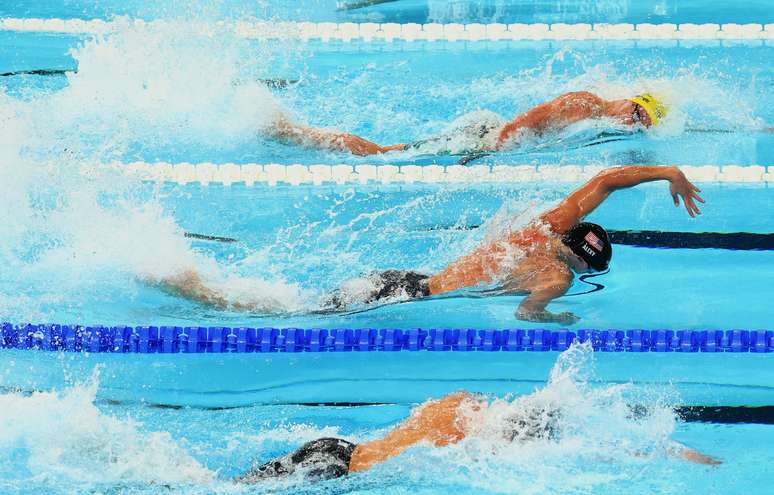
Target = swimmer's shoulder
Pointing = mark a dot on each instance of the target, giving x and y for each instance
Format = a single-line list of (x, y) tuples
[(536, 233)]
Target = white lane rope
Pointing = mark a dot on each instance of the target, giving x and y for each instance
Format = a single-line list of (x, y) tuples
[(296, 174), (367, 32)]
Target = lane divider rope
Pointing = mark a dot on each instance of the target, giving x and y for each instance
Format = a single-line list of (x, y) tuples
[(368, 31), (296, 174), (174, 339)]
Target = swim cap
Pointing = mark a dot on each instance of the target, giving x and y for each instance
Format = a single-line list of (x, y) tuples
[(655, 108), (590, 242)]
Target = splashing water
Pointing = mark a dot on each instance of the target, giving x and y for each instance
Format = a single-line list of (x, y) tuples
[(73, 240), (76, 234), (571, 436), (66, 439)]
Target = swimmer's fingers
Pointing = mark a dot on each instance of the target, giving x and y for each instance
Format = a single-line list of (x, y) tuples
[(689, 203), (695, 197), (676, 198), (688, 192), (694, 192)]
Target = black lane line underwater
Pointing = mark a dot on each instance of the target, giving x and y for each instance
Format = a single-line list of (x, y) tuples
[(213, 238), (762, 415), (273, 83), (38, 72), (359, 4), (734, 241)]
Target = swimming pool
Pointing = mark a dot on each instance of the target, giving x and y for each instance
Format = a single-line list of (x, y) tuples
[(79, 236)]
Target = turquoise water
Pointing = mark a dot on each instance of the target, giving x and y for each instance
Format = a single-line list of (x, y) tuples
[(65, 441), (392, 93), (77, 246), (292, 241), (420, 11)]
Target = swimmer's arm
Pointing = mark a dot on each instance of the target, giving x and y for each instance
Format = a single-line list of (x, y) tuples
[(690, 455), (585, 199), (562, 111), (533, 307), (436, 422), (189, 285), (286, 130)]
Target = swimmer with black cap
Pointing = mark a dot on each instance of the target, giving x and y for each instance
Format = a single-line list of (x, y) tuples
[(538, 260), (590, 243), (435, 423), (485, 131)]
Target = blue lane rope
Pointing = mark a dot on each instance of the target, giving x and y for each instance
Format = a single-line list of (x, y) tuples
[(172, 339)]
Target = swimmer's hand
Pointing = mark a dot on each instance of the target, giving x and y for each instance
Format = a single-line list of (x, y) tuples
[(699, 458), (690, 455), (565, 318), (681, 187)]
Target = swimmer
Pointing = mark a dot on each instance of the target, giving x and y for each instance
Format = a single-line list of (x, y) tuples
[(435, 423), (538, 260), (487, 132)]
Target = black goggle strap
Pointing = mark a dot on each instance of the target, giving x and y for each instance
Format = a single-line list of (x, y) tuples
[(636, 114), (595, 286)]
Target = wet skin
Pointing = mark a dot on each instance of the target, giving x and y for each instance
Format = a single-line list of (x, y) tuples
[(534, 261), (550, 116)]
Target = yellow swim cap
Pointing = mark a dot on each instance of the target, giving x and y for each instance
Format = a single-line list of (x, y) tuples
[(655, 108)]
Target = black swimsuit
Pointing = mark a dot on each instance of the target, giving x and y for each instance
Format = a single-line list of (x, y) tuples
[(387, 285), (328, 458), (322, 459)]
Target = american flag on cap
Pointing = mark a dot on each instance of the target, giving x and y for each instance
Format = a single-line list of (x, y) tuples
[(594, 241)]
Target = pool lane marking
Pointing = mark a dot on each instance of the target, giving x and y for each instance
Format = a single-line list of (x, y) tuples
[(297, 174), (196, 339), (735, 241), (273, 83), (369, 31)]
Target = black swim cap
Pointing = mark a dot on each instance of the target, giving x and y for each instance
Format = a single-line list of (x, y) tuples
[(590, 242)]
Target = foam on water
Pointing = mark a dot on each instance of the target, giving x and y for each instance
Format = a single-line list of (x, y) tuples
[(697, 98), (61, 438), (72, 241), (72, 238), (596, 437)]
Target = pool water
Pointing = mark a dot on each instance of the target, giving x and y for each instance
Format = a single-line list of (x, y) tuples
[(80, 241), (405, 11), (64, 441), (301, 243)]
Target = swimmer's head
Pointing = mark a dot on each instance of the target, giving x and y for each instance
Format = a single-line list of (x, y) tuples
[(590, 246), (647, 110)]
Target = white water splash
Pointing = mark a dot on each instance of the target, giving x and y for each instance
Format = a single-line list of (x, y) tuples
[(572, 436), (77, 239), (62, 437)]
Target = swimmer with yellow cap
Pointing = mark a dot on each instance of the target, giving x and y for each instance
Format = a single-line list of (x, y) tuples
[(639, 112), (642, 111), (654, 108)]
